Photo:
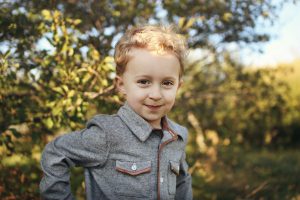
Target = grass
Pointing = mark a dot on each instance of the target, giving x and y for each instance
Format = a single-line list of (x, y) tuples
[(252, 174)]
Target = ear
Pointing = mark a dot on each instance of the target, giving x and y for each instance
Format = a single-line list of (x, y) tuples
[(180, 83), (120, 84)]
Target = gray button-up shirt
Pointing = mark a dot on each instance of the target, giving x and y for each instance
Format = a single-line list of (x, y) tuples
[(123, 157)]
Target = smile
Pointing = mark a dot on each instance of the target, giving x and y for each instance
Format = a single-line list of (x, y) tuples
[(153, 107)]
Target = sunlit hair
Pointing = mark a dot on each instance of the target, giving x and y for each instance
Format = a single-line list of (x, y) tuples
[(162, 39)]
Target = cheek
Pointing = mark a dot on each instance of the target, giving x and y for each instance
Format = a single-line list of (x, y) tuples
[(170, 95), (137, 94)]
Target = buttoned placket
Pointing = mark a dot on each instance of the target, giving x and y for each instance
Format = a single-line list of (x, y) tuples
[(165, 140)]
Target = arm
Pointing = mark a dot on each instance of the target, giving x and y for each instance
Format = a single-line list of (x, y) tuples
[(85, 148), (184, 182)]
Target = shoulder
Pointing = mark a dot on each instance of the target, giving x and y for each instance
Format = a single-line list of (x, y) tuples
[(178, 129), (99, 127), (102, 121)]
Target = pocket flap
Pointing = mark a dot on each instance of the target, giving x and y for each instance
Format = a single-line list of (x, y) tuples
[(133, 168), (175, 167)]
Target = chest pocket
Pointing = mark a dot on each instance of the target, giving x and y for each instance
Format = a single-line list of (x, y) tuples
[(173, 172), (133, 178)]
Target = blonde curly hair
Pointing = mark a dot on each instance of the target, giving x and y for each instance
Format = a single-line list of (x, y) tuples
[(162, 39)]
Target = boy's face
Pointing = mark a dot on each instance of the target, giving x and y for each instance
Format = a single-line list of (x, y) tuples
[(150, 83)]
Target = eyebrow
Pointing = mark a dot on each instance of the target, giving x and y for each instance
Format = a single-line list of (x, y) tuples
[(149, 77)]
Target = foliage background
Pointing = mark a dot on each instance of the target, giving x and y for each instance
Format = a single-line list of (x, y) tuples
[(57, 71)]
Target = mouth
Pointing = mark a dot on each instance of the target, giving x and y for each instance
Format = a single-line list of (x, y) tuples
[(153, 107)]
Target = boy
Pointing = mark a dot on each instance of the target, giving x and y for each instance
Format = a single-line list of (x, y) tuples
[(137, 153)]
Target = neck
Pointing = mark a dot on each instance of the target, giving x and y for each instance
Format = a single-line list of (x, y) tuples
[(156, 124)]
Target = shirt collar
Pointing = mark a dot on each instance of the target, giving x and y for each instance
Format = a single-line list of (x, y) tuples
[(140, 127)]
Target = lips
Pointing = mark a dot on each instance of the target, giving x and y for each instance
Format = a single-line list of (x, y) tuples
[(153, 107)]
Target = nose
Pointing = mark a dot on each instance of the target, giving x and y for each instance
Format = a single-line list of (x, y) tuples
[(155, 93)]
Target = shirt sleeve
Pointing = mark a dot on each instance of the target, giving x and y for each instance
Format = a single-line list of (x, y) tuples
[(184, 182), (85, 148)]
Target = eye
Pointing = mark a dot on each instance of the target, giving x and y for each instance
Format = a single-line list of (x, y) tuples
[(168, 83), (143, 82)]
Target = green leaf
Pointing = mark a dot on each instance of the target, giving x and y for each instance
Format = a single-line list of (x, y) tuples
[(49, 123), (15, 132)]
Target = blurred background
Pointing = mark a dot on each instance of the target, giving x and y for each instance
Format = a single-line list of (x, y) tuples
[(240, 99)]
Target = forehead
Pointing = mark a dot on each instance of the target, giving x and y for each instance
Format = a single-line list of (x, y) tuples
[(153, 62)]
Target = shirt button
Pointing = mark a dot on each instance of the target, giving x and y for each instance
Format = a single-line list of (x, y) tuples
[(161, 179), (133, 167)]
